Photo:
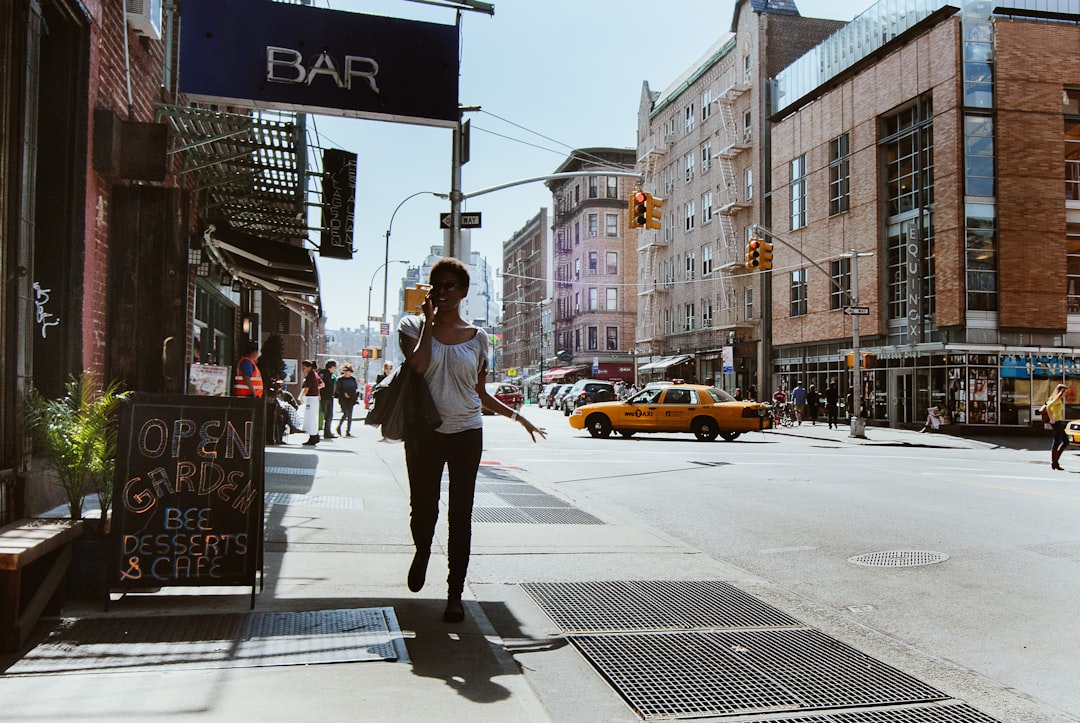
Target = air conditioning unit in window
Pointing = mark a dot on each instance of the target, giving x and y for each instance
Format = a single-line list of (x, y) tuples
[(144, 17)]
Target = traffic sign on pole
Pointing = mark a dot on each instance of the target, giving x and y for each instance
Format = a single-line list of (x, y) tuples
[(857, 310), (468, 220)]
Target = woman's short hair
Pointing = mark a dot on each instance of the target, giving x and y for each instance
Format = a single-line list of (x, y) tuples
[(452, 266)]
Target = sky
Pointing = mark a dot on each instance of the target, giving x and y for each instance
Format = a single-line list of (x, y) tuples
[(549, 76)]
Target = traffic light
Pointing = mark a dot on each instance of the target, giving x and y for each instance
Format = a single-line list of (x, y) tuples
[(639, 209), (766, 254), (374, 352), (365, 353), (753, 254), (653, 216), (758, 254), (867, 360)]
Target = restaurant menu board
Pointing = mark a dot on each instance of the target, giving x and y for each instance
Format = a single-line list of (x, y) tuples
[(188, 492)]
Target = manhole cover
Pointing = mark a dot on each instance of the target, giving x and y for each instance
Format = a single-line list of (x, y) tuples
[(899, 558)]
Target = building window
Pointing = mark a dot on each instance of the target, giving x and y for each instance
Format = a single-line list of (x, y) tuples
[(612, 186), (594, 187), (798, 292), (688, 165), (706, 104), (577, 268), (979, 154), (839, 174), (748, 183), (577, 232), (690, 118), (798, 192), (594, 298), (747, 66), (592, 338), (1072, 261), (594, 224), (577, 339), (706, 207), (611, 224), (611, 263), (980, 232), (706, 156), (706, 312), (747, 126), (594, 263), (748, 302), (691, 265), (840, 272), (706, 259), (612, 296), (611, 338), (690, 216)]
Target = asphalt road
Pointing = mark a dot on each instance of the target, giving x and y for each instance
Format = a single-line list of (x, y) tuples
[(794, 510)]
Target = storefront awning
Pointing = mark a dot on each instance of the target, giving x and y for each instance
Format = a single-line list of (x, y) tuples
[(558, 373), (664, 362), (285, 271)]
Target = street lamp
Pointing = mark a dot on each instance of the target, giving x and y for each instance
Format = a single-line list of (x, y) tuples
[(367, 325), (386, 256)]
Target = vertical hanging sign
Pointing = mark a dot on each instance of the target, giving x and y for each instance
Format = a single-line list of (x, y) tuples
[(913, 263), (339, 198)]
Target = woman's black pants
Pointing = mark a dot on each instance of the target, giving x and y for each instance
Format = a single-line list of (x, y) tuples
[(426, 454)]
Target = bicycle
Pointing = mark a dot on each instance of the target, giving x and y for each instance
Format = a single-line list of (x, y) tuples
[(783, 414)]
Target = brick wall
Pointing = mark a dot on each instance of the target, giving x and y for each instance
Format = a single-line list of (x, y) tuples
[(929, 63), (1034, 61)]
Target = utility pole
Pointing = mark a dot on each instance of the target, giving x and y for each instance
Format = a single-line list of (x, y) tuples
[(858, 424)]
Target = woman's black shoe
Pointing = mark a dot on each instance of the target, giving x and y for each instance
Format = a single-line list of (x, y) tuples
[(312, 440), (454, 612), (418, 570)]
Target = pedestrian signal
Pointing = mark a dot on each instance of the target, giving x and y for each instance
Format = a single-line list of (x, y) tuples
[(365, 353)]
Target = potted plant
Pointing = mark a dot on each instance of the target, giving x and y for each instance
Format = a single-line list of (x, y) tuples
[(76, 437)]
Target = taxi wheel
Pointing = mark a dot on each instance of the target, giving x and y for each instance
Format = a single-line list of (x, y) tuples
[(599, 426), (730, 436), (705, 429)]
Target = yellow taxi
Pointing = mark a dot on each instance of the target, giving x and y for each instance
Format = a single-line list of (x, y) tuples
[(705, 411), (1072, 432)]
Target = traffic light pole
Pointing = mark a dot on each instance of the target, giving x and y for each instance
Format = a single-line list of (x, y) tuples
[(858, 424)]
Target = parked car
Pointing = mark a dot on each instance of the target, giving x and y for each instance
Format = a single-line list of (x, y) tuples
[(705, 411), (559, 395), (508, 394), (587, 391), (547, 395)]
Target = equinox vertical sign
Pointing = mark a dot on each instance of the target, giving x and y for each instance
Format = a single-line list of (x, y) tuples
[(913, 263), (339, 198)]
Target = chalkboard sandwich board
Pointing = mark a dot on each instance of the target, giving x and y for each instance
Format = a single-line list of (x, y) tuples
[(188, 493)]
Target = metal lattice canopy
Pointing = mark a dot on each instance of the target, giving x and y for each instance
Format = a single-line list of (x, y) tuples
[(245, 166)]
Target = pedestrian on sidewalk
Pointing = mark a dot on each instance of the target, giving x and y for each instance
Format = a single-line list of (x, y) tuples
[(309, 398), (1055, 407), (453, 357), (832, 405), (348, 393), (326, 397), (813, 401), (798, 398)]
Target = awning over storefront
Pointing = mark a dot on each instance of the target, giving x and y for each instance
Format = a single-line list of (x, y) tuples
[(285, 271), (558, 373), (664, 362)]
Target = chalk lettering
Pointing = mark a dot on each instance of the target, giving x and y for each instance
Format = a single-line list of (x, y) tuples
[(156, 430), (41, 297), (194, 518)]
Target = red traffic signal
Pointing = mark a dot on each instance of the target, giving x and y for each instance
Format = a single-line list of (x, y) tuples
[(639, 209), (365, 353)]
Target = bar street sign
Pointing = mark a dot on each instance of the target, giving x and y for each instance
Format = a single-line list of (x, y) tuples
[(857, 310), (468, 220)]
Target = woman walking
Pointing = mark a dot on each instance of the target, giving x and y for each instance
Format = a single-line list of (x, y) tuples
[(452, 356), (1055, 407), (348, 392), (309, 398)]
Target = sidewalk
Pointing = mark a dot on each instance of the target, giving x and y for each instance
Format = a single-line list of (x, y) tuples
[(337, 539), (883, 436)]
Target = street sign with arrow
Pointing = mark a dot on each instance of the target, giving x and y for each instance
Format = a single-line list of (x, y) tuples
[(468, 220)]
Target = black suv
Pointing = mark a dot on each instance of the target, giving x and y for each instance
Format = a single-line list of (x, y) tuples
[(587, 391)]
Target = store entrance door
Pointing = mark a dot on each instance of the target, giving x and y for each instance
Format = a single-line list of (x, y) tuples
[(902, 398)]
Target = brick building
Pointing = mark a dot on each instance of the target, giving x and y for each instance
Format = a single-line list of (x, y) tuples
[(941, 148), (526, 345), (134, 237), (595, 268), (701, 148)]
